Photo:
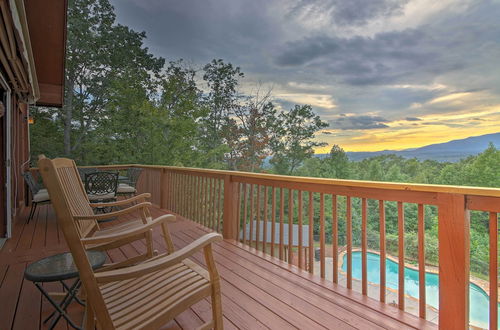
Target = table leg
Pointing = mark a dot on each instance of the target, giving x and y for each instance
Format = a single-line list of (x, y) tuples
[(75, 296), (64, 303)]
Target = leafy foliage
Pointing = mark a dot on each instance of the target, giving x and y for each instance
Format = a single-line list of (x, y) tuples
[(124, 105)]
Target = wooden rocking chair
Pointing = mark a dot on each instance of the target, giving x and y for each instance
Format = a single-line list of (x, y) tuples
[(95, 238), (142, 296)]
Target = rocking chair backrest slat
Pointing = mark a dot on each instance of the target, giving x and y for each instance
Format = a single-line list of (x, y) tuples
[(60, 176), (78, 200)]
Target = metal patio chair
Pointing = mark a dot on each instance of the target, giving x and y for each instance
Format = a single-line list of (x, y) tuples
[(128, 186), (38, 193)]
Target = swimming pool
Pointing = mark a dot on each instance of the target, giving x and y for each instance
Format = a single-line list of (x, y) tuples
[(479, 300)]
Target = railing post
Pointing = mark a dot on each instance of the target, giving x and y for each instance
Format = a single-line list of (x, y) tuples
[(454, 246), (230, 223), (163, 189)]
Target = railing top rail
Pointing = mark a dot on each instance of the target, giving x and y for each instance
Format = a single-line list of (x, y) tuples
[(240, 177), (464, 190)]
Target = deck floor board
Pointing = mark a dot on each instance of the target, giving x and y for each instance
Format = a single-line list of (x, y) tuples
[(258, 291)]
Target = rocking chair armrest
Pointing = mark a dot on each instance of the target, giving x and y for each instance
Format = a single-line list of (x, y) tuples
[(113, 214), (124, 201), (158, 263), (129, 232)]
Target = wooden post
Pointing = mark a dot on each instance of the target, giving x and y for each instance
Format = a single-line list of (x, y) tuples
[(230, 222), (454, 246), (163, 189)]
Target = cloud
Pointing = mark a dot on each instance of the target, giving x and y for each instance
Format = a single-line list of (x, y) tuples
[(386, 58), (352, 122), (412, 119), (347, 13)]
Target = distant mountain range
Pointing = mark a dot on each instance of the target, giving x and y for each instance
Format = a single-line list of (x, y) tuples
[(451, 151)]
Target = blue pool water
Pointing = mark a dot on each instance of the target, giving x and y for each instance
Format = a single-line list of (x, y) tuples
[(479, 300)]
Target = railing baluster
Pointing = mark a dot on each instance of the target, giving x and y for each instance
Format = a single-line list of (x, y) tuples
[(282, 215), (184, 194), (493, 270), (264, 235), (176, 196), (364, 247), (290, 226), (257, 227), (221, 205), (245, 210), (207, 202), (202, 186), (381, 210), (238, 210), (273, 219), (335, 234), (349, 241), (171, 191), (421, 261), (251, 214), (208, 206), (299, 211), (401, 256), (214, 203), (192, 197), (179, 194), (199, 199), (192, 206), (322, 233), (167, 189), (188, 196), (311, 233), (202, 200)]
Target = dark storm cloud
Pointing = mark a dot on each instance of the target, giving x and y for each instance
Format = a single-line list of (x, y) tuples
[(201, 30), (352, 12), (412, 119), (344, 122), (383, 59)]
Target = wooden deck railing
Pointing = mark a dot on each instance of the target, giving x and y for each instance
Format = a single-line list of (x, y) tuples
[(270, 213)]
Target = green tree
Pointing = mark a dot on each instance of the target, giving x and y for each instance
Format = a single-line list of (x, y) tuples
[(251, 134), (338, 164), (98, 53), (484, 170), (292, 140), (221, 101)]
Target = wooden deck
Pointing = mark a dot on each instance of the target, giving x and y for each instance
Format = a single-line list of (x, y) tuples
[(257, 291)]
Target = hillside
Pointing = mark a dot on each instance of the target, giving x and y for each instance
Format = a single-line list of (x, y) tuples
[(451, 151)]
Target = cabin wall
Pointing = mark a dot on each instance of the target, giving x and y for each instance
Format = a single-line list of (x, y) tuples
[(16, 113), (20, 154), (3, 174)]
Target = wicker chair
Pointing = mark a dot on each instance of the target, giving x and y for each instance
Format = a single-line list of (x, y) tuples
[(38, 193), (143, 296)]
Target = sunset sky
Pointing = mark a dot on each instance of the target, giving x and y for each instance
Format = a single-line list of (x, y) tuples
[(385, 74)]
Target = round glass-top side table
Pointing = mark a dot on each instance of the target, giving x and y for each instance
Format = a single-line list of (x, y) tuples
[(61, 267)]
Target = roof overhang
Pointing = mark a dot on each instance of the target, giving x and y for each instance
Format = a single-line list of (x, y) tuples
[(46, 30)]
